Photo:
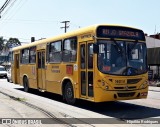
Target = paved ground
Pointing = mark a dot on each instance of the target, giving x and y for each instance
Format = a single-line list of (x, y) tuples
[(15, 103)]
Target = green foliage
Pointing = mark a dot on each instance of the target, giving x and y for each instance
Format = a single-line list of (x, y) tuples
[(6, 44), (13, 41), (1, 43)]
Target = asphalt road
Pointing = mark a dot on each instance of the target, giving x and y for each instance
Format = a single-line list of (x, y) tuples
[(15, 103)]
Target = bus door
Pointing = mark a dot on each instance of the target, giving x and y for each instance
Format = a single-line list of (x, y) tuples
[(17, 72), (86, 70), (41, 70)]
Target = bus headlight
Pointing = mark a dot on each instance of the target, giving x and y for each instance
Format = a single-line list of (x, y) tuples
[(107, 87), (103, 83), (146, 82), (142, 86)]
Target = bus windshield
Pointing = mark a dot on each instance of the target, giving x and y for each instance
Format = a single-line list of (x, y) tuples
[(122, 58)]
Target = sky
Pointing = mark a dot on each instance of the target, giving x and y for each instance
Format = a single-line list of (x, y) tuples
[(42, 18)]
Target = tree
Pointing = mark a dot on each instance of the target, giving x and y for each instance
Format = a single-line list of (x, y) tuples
[(13, 42), (1, 43)]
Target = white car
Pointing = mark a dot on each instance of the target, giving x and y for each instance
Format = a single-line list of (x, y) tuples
[(9, 75), (3, 72)]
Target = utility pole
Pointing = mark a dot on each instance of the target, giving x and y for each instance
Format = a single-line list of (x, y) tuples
[(65, 26)]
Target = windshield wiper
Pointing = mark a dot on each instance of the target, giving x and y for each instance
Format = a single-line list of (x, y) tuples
[(134, 45), (119, 47)]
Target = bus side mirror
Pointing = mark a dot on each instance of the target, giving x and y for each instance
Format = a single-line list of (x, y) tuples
[(95, 48)]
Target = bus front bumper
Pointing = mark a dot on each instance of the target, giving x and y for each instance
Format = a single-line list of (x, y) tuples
[(104, 95)]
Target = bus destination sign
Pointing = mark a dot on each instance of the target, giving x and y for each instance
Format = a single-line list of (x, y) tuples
[(120, 32)]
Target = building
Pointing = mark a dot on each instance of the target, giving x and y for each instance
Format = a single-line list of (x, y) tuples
[(152, 42), (156, 36), (153, 55)]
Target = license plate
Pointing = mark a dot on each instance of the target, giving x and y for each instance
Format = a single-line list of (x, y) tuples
[(122, 81)]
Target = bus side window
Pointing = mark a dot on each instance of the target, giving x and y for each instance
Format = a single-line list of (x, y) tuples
[(82, 56), (32, 55), (100, 60), (90, 56), (73, 49), (70, 50), (39, 60), (55, 52), (25, 56)]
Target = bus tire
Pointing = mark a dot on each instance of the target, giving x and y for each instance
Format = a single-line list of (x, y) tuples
[(25, 84), (69, 93)]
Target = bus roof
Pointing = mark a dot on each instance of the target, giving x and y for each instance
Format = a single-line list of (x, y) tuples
[(80, 31)]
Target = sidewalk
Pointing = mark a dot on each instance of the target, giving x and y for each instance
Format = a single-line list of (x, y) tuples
[(154, 88)]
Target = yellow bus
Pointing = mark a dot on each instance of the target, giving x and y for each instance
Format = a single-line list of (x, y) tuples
[(98, 63)]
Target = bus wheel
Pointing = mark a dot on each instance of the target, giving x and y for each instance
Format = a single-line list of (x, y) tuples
[(69, 94), (25, 84)]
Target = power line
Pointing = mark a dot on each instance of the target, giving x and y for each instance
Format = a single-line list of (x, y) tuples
[(65, 26), (3, 23), (10, 6), (17, 7), (29, 21), (75, 25), (4, 6)]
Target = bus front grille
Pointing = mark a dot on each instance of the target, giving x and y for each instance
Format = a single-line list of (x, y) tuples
[(131, 94), (124, 88), (133, 81)]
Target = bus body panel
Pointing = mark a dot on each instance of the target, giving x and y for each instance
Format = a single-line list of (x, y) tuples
[(56, 73), (31, 73)]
